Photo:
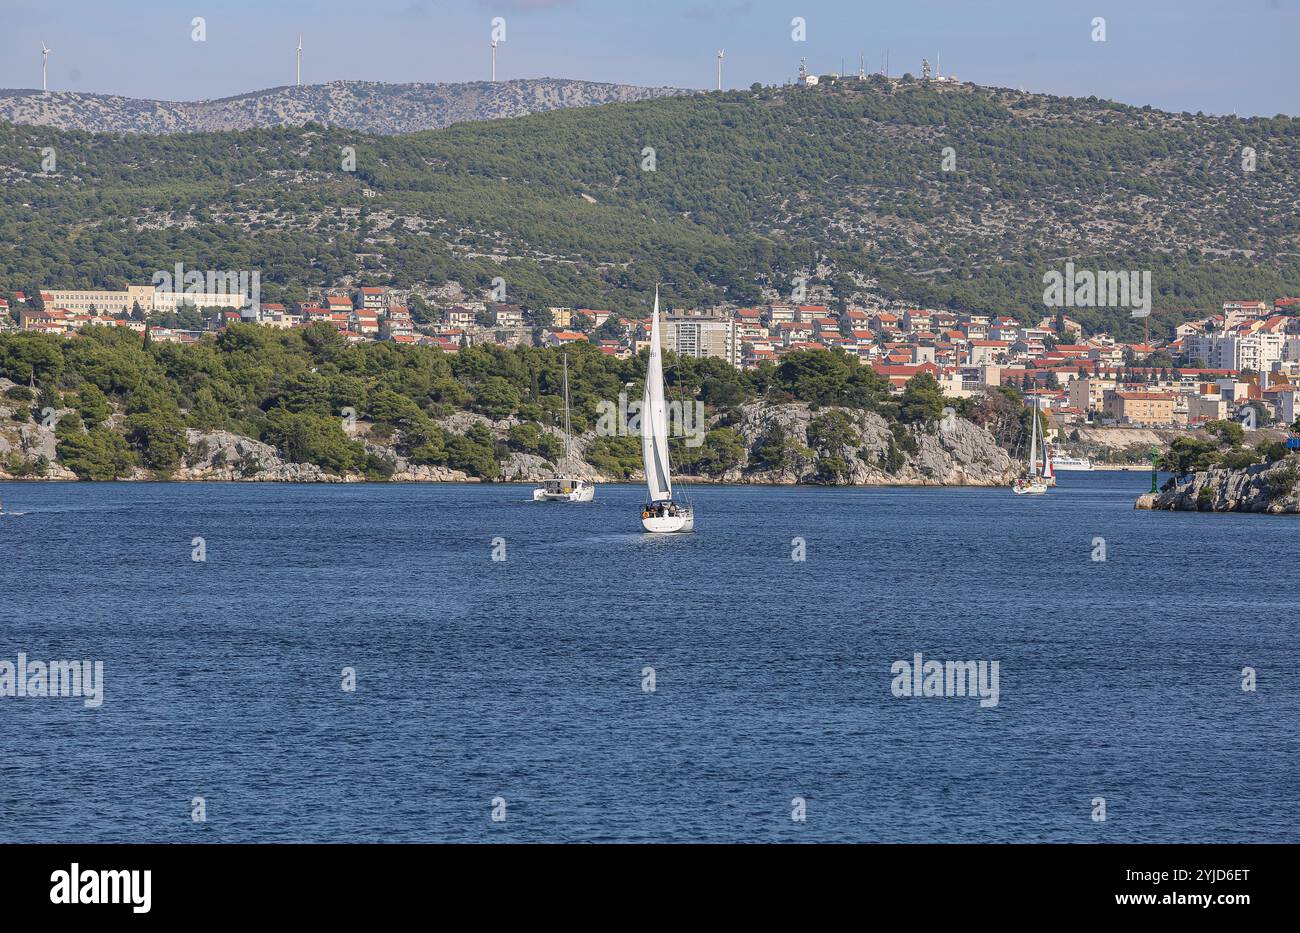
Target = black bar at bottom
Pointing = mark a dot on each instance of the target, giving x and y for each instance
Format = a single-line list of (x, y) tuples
[(340, 881)]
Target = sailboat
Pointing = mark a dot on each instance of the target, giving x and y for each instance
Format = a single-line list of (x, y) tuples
[(661, 514), (1035, 482), (566, 488)]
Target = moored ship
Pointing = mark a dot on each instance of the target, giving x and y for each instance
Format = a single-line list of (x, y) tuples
[(1071, 464)]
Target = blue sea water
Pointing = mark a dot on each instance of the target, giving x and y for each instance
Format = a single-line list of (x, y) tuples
[(522, 679)]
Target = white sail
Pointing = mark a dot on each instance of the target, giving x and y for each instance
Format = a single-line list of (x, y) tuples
[(654, 420)]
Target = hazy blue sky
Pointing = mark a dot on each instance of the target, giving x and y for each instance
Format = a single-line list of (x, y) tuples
[(1218, 56)]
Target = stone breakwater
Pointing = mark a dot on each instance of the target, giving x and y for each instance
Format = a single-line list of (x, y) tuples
[(1272, 488)]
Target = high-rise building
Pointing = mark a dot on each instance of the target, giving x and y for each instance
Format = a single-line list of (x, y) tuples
[(704, 336)]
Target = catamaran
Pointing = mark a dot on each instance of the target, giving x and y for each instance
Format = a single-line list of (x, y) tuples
[(661, 514), (566, 488), (1036, 480)]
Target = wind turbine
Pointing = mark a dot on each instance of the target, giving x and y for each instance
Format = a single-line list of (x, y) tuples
[(298, 78), (45, 58), (722, 53), (494, 59)]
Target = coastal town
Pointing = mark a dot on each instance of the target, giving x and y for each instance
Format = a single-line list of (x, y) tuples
[(1241, 362)]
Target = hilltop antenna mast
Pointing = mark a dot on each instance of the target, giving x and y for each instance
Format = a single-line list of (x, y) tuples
[(862, 67), (298, 72), (722, 53)]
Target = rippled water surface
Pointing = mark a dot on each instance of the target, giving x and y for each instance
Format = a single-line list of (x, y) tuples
[(523, 679)]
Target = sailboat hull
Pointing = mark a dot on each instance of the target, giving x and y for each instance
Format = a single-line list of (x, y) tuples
[(669, 524), (565, 491), (566, 488)]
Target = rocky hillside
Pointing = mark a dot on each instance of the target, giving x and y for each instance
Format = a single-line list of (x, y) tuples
[(368, 106), (953, 453), (731, 197), (1267, 487)]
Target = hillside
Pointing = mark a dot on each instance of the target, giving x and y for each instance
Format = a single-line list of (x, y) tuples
[(841, 183), (367, 106), (303, 405)]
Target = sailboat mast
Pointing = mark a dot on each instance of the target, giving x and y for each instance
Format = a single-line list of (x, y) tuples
[(567, 442), (1033, 438)]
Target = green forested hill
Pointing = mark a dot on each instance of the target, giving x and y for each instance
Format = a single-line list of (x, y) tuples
[(125, 403), (843, 182)]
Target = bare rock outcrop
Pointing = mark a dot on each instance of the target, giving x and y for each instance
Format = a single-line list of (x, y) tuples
[(368, 106), (952, 452), (27, 443), (1267, 487), (221, 455)]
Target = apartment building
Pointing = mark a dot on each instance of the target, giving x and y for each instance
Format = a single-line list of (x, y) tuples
[(704, 336), (364, 322), (1235, 312), (781, 314), (458, 316), (104, 301), (595, 315), (1209, 407), (1236, 350), (372, 298), (1144, 408), (506, 315)]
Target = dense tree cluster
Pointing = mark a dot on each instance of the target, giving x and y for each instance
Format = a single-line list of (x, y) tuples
[(1223, 449), (126, 402)]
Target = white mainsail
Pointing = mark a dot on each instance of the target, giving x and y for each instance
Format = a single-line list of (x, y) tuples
[(654, 420)]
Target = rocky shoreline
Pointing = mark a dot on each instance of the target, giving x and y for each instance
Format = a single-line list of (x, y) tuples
[(875, 453), (1272, 488)]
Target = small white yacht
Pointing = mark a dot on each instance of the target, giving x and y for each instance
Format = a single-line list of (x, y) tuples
[(1039, 476), (566, 488)]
